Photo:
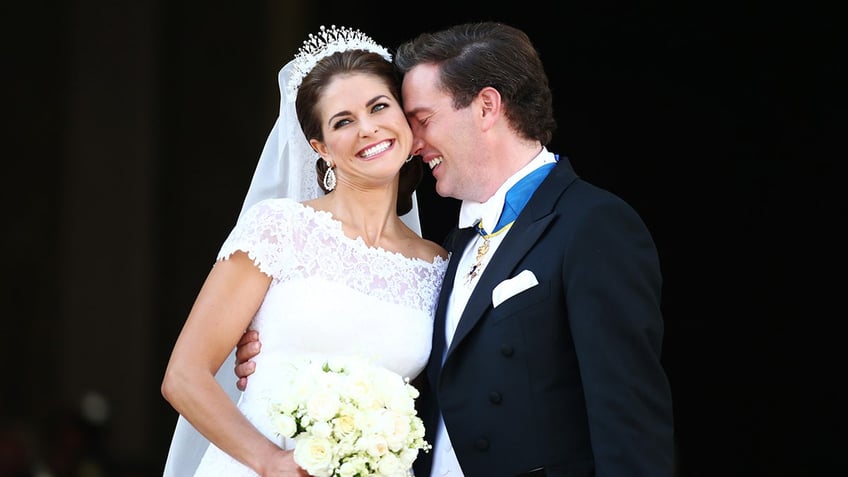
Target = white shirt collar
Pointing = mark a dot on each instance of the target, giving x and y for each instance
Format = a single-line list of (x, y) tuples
[(471, 212)]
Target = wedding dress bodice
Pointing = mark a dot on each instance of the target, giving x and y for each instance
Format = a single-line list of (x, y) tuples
[(329, 295)]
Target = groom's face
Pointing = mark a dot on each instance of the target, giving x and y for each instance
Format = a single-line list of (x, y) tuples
[(444, 137)]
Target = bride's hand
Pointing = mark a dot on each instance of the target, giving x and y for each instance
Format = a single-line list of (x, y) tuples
[(282, 464)]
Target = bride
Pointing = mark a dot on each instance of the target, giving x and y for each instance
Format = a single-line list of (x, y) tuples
[(329, 271)]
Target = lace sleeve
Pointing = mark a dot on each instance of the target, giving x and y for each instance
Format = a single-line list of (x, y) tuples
[(260, 232), (289, 241)]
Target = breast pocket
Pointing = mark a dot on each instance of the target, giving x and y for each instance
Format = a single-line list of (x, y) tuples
[(519, 303)]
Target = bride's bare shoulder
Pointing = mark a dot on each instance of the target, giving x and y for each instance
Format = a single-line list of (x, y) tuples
[(427, 250)]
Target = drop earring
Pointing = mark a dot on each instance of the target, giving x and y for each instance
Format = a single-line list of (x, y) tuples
[(329, 177)]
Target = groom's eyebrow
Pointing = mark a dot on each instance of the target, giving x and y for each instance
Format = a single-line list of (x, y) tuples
[(412, 112)]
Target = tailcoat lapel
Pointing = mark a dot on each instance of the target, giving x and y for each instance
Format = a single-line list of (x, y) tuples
[(455, 245), (525, 232), (515, 245)]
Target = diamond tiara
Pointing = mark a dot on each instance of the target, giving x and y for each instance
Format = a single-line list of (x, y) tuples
[(325, 43)]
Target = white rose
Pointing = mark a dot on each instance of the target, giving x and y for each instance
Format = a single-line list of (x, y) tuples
[(344, 426), (284, 424), (323, 405), (314, 454), (407, 457), (354, 466), (390, 466), (321, 429), (376, 446), (301, 389), (285, 402), (396, 428), (339, 364), (359, 388)]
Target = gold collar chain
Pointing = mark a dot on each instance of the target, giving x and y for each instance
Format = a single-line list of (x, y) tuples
[(477, 267)]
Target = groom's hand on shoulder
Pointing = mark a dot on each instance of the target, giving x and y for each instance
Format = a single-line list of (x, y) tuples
[(246, 349)]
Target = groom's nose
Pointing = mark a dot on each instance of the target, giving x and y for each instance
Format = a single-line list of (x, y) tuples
[(417, 144)]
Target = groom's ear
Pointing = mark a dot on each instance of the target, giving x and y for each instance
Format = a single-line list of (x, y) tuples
[(489, 107)]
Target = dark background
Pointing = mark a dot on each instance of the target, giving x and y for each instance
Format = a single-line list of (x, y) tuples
[(132, 130)]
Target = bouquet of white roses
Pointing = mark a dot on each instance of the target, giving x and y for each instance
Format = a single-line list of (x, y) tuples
[(349, 418)]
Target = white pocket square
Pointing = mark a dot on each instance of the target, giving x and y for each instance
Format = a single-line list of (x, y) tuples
[(513, 286)]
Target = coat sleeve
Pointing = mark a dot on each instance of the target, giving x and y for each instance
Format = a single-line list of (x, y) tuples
[(613, 287)]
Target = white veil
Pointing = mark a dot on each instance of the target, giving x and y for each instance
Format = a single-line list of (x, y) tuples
[(286, 168)]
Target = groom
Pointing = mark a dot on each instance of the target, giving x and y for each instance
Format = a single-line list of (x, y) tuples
[(548, 332)]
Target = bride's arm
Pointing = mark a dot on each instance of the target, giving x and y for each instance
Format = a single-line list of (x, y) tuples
[(229, 298)]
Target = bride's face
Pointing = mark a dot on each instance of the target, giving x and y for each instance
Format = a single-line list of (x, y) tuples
[(366, 135)]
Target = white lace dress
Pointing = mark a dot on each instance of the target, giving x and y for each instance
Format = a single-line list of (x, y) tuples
[(330, 295)]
